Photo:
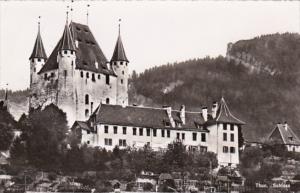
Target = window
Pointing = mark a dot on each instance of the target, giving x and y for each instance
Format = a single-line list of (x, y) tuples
[(124, 130), (224, 126), (162, 133), (177, 135), (168, 133), (87, 75), (45, 76), (123, 72), (224, 136), (141, 131), (121, 63), (92, 104), (148, 132), (194, 136), (167, 123), (232, 149), (108, 141), (225, 149), (86, 113), (231, 137), (203, 149), (87, 100), (99, 76), (88, 132), (122, 142), (106, 129), (34, 69), (93, 77), (39, 59), (81, 74), (133, 131), (88, 142), (115, 129), (52, 74), (203, 137), (65, 52), (65, 73), (107, 100), (183, 136), (121, 81), (154, 132), (107, 79), (231, 127)]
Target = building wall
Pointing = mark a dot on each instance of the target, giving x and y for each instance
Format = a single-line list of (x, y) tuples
[(214, 140), (121, 69), (218, 144)]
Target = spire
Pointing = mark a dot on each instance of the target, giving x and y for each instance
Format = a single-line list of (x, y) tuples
[(38, 49), (66, 41), (119, 52)]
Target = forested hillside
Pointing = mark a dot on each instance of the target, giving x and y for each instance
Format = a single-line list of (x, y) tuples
[(259, 79), (261, 99)]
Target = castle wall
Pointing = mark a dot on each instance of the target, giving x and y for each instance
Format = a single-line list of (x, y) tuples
[(97, 89)]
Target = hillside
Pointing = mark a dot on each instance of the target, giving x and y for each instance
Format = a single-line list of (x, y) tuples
[(258, 78)]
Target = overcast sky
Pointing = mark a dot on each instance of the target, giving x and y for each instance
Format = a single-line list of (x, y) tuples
[(153, 33)]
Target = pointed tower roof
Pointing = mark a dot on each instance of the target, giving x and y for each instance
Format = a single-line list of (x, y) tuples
[(119, 52), (38, 49), (67, 42), (224, 115)]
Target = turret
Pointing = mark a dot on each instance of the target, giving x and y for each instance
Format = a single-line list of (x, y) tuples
[(66, 58), (37, 58), (119, 63)]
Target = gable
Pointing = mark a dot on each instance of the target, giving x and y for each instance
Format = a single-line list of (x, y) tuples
[(276, 136)]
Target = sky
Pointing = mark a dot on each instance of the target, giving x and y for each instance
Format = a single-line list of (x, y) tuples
[(153, 32)]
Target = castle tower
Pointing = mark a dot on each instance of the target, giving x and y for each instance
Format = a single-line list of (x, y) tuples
[(37, 59), (119, 63), (66, 58)]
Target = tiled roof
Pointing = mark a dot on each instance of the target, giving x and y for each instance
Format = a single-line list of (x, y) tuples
[(119, 52), (224, 115), (82, 125), (38, 49), (66, 41), (158, 117), (144, 117), (287, 134), (88, 52)]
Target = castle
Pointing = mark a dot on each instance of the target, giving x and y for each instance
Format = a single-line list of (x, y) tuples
[(93, 92), (77, 76)]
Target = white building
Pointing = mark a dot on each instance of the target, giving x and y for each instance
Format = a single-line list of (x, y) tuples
[(116, 125), (283, 134)]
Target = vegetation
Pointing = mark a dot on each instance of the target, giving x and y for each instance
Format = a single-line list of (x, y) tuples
[(259, 99)]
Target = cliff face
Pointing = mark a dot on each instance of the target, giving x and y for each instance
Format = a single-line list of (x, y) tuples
[(271, 54)]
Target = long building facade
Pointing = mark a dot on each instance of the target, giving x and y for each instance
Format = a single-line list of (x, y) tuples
[(77, 76), (133, 126)]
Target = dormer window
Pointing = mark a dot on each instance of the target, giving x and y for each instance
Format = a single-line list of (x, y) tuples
[(121, 63), (65, 52), (167, 123), (291, 138), (39, 59)]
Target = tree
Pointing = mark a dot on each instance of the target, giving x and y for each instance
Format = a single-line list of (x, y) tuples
[(44, 137), (7, 124)]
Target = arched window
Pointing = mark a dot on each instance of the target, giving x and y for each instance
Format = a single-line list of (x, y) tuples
[(87, 99), (81, 74), (86, 113), (107, 100)]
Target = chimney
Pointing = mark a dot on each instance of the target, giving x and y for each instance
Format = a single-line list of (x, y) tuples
[(214, 109), (285, 125), (204, 113), (169, 113), (182, 114)]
